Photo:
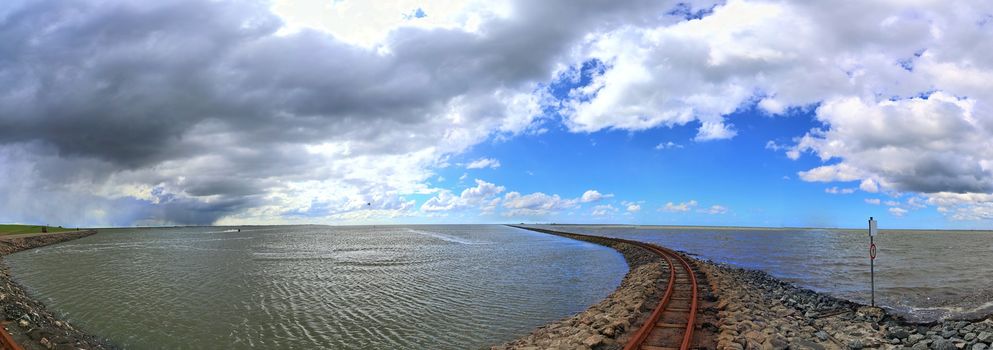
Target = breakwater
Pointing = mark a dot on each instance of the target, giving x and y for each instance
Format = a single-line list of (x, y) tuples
[(28, 321), (758, 311), (755, 310), (610, 323)]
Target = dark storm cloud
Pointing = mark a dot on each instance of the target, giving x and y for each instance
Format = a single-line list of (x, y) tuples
[(205, 88), (126, 81), (122, 82)]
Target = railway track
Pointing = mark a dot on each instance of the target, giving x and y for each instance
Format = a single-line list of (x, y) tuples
[(672, 323), (7, 342)]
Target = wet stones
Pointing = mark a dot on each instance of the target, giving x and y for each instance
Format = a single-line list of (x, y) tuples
[(755, 307), (608, 324), (593, 340), (822, 335), (899, 333), (985, 337), (37, 328), (943, 344)]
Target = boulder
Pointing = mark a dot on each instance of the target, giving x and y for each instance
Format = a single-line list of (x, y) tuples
[(985, 337), (755, 337), (593, 340), (899, 333), (803, 344), (871, 313), (943, 344), (822, 335)]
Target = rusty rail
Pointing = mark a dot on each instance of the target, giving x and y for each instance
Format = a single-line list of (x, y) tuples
[(637, 341), (649, 325), (7, 342)]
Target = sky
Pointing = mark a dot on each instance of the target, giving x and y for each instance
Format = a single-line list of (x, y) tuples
[(738, 112)]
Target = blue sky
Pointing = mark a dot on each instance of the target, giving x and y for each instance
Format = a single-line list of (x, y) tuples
[(758, 186), (698, 112)]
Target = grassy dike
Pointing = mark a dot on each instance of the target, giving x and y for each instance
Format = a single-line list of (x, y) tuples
[(8, 229), (30, 323)]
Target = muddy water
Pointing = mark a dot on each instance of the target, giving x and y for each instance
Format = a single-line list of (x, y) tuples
[(921, 275), (305, 287)]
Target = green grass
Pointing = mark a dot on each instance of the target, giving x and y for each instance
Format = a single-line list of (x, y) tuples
[(20, 229)]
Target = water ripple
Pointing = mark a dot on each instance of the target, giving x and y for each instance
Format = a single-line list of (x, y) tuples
[(445, 287)]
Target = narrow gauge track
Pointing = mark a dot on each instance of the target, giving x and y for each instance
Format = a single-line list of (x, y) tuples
[(7, 342), (670, 325)]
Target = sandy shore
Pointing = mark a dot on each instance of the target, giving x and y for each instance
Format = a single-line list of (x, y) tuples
[(31, 324)]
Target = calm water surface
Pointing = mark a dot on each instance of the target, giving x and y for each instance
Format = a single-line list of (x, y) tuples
[(921, 275), (438, 287)]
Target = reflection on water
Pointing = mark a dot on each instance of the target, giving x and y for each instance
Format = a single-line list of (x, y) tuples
[(451, 287), (921, 275)]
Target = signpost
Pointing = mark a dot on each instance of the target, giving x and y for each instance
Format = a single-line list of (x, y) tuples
[(872, 259)]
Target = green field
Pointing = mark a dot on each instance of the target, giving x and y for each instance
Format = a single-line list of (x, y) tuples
[(19, 229)]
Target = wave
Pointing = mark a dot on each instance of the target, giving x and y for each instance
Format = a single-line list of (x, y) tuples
[(447, 238), (224, 231)]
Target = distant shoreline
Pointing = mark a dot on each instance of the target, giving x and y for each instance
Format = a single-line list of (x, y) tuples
[(759, 228), (629, 226)]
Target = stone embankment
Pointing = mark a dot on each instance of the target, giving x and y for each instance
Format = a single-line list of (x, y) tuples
[(754, 311), (608, 324), (758, 311), (26, 319)]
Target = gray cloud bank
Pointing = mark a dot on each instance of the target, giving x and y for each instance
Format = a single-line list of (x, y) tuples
[(201, 109)]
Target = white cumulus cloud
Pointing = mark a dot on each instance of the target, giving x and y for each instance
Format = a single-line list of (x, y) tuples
[(836, 190), (482, 195), (603, 210), (633, 208), (593, 196), (535, 204), (680, 207), (483, 163), (715, 209)]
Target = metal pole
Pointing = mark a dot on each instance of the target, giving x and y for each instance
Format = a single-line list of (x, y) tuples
[(872, 263)]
